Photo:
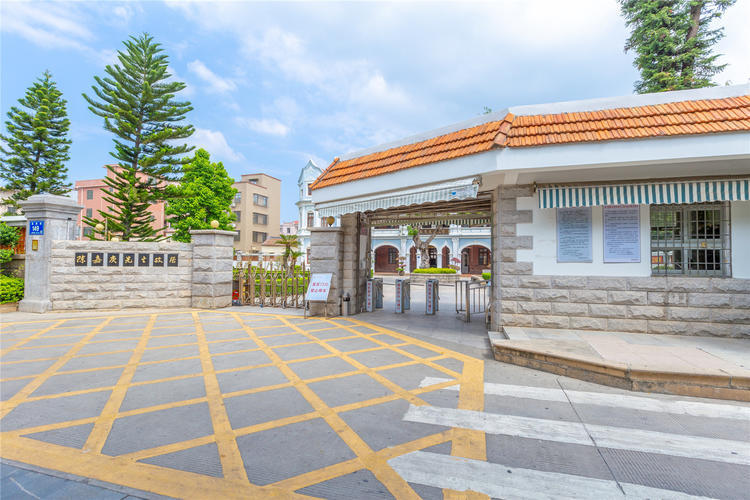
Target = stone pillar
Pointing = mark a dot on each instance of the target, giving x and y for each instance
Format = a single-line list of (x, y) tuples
[(326, 256), (212, 268), (495, 287), (59, 215)]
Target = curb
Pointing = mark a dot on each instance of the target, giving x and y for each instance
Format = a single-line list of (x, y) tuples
[(623, 377)]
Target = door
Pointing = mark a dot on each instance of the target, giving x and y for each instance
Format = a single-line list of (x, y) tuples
[(464, 261)]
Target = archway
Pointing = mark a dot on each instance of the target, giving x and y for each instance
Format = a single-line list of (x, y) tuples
[(475, 259), (446, 257), (386, 259)]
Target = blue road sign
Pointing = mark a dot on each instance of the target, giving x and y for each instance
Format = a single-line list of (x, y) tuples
[(36, 227)]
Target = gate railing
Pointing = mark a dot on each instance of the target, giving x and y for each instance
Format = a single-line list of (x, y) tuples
[(259, 286), (472, 298)]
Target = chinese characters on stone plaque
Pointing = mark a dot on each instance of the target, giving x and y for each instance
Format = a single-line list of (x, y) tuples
[(100, 259)]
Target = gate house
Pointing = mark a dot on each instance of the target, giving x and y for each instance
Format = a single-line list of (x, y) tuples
[(618, 214)]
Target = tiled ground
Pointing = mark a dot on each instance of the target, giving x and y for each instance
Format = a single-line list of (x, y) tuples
[(227, 404)]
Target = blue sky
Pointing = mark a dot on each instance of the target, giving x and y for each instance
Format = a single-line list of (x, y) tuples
[(275, 84)]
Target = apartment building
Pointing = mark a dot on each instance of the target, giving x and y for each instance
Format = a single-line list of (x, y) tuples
[(90, 194), (257, 206)]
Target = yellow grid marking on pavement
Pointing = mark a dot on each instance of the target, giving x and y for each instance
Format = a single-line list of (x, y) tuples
[(128, 469)]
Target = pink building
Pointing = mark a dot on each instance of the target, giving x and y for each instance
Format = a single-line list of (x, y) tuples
[(91, 195)]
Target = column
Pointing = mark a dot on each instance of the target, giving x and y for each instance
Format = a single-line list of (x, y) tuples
[(326, 256), (57, 216), (212, 268)]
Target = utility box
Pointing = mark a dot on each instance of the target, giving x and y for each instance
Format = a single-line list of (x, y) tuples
[(403, 289), (432, 296)]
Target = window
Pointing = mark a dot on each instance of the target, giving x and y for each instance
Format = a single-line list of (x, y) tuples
[(690, 240), (238, 216), (260, 200), (484, 257), (309, 191), (259, 237), (89, 212), (87, 231), (237, 236), (89, 194), (310, 219), (253, 181), (237, 197), (261, 219), (392, 255)]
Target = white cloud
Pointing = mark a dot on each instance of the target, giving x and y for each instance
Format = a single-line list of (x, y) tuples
[(214, 81), (52, 26), (268, 126), (215, 143)]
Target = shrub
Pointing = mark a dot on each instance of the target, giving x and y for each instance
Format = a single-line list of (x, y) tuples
[(486, 276), (435, 270), (11, 289)]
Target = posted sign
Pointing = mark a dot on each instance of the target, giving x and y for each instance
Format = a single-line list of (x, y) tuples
[(36, 227), (320, 285)]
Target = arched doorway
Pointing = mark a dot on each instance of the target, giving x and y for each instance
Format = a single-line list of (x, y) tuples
[(475, 259), (446, 257), (386, 259)]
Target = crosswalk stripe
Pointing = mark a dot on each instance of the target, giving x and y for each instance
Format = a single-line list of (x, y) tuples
[(721, 450), (693, 408), (500, 481)]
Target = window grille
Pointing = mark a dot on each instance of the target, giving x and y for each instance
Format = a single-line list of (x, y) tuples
[(691, 240), (392, 255)]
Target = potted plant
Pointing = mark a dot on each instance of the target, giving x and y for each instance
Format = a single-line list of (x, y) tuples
[(400, 271)]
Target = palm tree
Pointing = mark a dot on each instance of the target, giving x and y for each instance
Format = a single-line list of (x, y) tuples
[(290, 243)]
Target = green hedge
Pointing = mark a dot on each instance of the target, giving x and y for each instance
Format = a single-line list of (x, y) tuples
[(435, 270), (486, 276), (11, 289)]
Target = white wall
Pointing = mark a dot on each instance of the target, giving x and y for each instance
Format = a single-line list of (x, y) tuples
[(544, 254), (740, 219)]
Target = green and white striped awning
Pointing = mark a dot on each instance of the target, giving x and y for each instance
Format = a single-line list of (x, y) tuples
[(650, 193)]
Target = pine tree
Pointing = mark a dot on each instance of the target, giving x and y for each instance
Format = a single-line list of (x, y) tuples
[(36, 147), (137, 101), (204, 194), (672, 40)]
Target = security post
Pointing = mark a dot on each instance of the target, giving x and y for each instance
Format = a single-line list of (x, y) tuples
[(432, 296), (374, 295), (403, 290)]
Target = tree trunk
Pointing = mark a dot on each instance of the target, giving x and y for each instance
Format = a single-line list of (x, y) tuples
[(695, 18)]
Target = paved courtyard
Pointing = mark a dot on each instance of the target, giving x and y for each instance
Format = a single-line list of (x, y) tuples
[(199, 404)]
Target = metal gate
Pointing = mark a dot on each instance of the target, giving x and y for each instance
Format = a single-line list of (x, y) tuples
[(258, 286), (472, 298)]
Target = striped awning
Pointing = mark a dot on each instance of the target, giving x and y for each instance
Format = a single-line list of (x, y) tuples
[(454, 190), (649, 193)]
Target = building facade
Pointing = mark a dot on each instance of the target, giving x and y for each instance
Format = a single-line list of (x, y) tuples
[(624, 214), (90, 195), (257, 208), (289, 228), (308, 216)]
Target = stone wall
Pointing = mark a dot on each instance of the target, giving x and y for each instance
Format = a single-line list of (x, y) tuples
[(658, 304), (114, 287), (325, 257)]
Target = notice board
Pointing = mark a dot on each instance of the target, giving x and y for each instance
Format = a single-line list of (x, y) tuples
[(622, 233), (320, 286), (574, 234)]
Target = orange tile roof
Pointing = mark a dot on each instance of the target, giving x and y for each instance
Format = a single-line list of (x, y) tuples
[(677, 118)]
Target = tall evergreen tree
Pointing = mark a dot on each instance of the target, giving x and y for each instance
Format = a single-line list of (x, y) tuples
[(204, 194), (137, 101), (673, 40), (36, 147)]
